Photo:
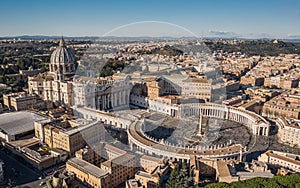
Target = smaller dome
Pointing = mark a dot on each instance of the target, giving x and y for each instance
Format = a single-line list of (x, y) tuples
[(63, 54)]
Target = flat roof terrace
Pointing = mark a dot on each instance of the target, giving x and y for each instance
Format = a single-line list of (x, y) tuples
[(18, 122)]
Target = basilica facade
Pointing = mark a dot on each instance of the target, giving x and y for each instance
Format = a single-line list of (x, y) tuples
[(55, 86), (62, 87), (104, 93)]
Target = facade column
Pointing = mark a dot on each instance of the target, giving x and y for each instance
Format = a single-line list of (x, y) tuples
[(259, 132), (115, 99), (227, 113), (112, 100), (104, 97), (128, 96), (119, 98), (124, 97), (266, 131), (109, 100), (102, 102)]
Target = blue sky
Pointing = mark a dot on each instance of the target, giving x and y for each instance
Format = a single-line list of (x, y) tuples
[(246, 18)]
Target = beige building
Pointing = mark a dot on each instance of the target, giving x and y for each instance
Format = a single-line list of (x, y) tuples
[(228, 172), (285, 160), (147, 180), (197, 88), (89, 173), (253, 105), (223, 173), (149, 163), (120, 168), (202, 168), (286, 105), (184, 86), (153, 90), (67, 136), (261, 94), (22, 101), (133, 183), (289, 131), (154, 176), (252, 80), (281, 82), (110, 152), (90, 155)]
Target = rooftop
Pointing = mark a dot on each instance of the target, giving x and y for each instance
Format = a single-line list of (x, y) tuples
[(284, 158), (18, 122), (114, 149), (246, 175), (19, 95), (118, 160), (83, 127), (223, 169), (150, 158), (144, 174), (85, 166)]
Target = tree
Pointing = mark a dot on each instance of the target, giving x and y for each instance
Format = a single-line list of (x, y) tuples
[(289, 181), (184, 179), (171, 183), (180, 179)]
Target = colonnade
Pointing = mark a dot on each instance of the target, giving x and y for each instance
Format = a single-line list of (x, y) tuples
[(139, 142), (257, 124)]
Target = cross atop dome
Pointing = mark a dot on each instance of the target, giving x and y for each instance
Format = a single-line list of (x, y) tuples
[(62, 42)]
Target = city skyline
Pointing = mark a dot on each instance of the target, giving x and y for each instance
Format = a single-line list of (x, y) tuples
[(150, 94), (241, 19)]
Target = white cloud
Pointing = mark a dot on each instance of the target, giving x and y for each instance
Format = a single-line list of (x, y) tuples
[(223, 34)]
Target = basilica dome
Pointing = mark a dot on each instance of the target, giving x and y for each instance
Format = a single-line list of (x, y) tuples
[(63, 59), (62, 54)]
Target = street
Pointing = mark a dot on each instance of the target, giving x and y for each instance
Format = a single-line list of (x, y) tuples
[(17, 172)]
